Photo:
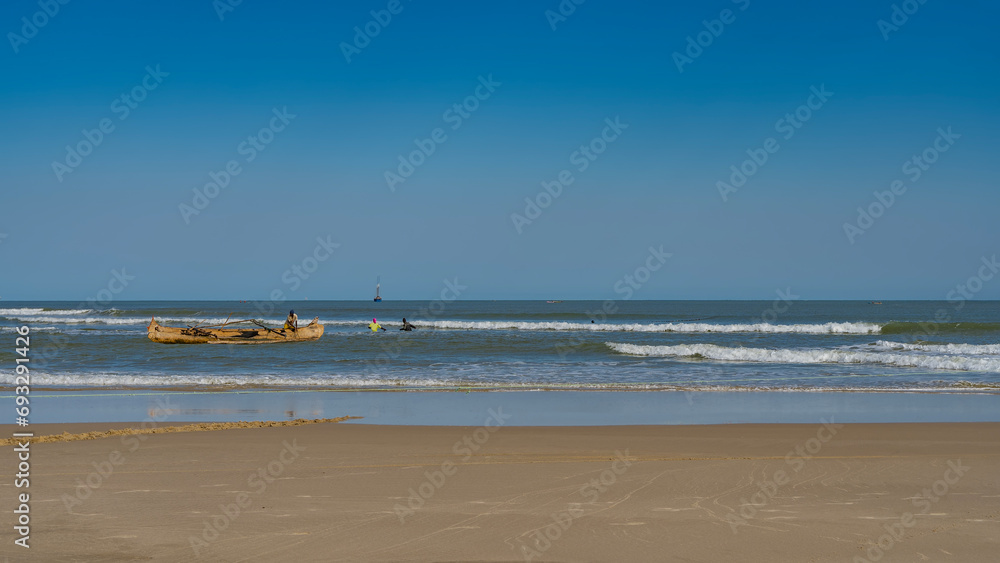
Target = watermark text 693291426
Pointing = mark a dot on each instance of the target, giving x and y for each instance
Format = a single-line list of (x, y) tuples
[(22, 381), (22, 375)]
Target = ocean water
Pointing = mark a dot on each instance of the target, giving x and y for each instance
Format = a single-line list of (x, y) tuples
[(527, 345)]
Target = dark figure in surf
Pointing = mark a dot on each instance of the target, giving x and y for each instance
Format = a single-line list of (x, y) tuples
[(407, 326)]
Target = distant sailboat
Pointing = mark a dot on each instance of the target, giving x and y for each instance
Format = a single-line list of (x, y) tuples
[(378, 284)]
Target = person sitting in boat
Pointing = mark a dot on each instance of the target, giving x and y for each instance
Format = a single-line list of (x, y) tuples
[(407, 326), (292, 321), (375, 326)]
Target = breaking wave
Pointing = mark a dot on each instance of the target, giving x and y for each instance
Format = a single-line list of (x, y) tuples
[(971, 349), (824, 328), (34, 311), (815, 356), (214, 382)]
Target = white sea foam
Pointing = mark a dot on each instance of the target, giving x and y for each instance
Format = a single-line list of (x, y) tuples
[(81, 320), (825, 328), (111, 379), (272, 381), (812, 356), (969, 349), (184, 321), (20, 312)]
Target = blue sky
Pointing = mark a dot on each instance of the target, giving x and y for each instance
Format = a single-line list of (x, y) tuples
[(221, 80)]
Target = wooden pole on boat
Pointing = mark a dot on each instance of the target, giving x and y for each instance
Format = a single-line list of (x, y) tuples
[(254, 321)]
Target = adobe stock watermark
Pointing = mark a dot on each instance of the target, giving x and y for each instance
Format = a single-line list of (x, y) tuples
[(565, 9), (465, 447), (31, 25), (626, 286), (787, 126), (767, 489), (913, 168), (702, 40), (257, 482), (297, 273), (899, 15), (249, 148), (544, 537), (104, 297), (455, 116), (122, 107), (106, 468), (973, 285), (958, 296), (117, 284), (779, 305), (582, 157), (923, 501), (393, 348), (629, 283), (363, 35), (223, 7)]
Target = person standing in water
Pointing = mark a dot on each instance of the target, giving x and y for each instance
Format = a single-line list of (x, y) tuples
[(374, 325), (292, 321), (407, 326)]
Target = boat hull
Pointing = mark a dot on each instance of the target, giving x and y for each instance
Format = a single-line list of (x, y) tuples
[(175, 335)]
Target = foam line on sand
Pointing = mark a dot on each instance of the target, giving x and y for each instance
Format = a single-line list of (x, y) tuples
[(197, 427)]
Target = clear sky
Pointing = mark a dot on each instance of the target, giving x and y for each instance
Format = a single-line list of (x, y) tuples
[(197, 84)]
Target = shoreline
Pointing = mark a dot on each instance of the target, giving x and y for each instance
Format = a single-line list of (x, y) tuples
[(529, 408), (62, 432), (553, 387)]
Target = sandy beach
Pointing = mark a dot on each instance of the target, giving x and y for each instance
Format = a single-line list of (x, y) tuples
[(353, 492)]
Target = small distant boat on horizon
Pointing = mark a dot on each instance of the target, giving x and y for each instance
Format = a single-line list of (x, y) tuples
[(378, 285), (558, 301), (874, 302)]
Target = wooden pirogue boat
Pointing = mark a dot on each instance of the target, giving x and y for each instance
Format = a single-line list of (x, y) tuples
[(202, 335)]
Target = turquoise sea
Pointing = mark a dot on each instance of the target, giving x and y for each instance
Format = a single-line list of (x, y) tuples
[(795, 345)]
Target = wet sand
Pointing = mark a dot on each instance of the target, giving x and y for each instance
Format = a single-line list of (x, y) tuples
[(351, 492)]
